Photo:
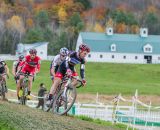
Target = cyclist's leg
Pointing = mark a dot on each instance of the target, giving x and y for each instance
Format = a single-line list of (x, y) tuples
[(75, 75), (58, 77), (30, 81), (54, 86)]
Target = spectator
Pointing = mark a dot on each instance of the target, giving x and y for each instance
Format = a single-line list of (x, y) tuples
[(41, 94)]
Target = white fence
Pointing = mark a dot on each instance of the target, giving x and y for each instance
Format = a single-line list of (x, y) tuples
[(137, 114), (14, 57)]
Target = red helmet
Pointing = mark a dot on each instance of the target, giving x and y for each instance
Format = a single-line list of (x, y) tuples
[(33, 51), (84, 47)]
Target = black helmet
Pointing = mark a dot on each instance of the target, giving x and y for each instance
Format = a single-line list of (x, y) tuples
[(21, 57)]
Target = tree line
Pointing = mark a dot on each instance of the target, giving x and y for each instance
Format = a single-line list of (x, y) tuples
[(60, 21)]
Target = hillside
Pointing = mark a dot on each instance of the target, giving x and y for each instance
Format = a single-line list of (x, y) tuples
[(17, 117)]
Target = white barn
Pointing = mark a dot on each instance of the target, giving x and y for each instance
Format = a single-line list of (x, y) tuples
[(121, 48), (41, 48)]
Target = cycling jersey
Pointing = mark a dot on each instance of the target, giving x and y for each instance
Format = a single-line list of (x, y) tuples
[(16, 64), (30, 65), (69, 63), (56, 63), (2, 67)]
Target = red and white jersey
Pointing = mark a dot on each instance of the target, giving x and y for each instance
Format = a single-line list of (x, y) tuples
[(31, 64)]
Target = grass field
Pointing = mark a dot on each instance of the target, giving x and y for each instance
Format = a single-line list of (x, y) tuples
[(108, 78)]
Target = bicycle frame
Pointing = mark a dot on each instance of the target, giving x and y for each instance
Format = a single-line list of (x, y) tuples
[(24, 85), (62, 99)]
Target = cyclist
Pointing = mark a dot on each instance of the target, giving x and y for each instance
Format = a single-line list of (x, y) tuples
[(16, 65), (63, 53), (4, 70), (68, 66), (30, 65)]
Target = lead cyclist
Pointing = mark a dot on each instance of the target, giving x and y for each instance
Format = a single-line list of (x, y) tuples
[(68, 67)]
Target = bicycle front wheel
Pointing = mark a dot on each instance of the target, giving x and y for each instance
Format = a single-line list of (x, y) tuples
[(63, 101)]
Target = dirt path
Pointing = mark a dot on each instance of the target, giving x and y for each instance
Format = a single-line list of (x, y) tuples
[(25, 118), (106, 99)]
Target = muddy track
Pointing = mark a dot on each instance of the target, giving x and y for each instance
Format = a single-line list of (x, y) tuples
[(25, 118)]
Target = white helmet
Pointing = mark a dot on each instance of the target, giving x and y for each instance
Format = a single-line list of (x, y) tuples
[(64, 51)]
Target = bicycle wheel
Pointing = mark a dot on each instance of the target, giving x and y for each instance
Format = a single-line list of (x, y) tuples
[(64, 101), (23, 97)]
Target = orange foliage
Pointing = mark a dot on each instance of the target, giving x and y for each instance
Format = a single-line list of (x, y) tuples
[(121, 28), (134, 29), (109, 23), (62, 14), (29, 23), (123, 7), (98, 28), (98, 12), (15, 24), (152, 9)]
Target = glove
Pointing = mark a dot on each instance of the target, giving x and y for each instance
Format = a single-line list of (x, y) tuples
[(83, 82), (16, 77), (69, 72)]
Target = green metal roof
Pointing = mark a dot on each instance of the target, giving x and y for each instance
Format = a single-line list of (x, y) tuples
[(125, 43)]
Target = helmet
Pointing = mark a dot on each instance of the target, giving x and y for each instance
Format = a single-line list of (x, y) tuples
[(84, 47), (21, 57), (33, 51), (64, 51)]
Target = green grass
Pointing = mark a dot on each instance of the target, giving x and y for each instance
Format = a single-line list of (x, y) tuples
[(109, 78), (4, 125), (104, 123)]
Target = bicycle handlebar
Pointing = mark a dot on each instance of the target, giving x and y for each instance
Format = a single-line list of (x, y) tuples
[(26, 74), (64, 80)]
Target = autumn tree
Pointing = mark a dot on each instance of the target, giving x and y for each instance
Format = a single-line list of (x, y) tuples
[(98, 28), (86, 3), (42, 18), (75, 25), (15, 27), (121, 28)]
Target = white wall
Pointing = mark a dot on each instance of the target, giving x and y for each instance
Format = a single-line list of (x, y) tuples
[(119, 58), (79, 42), (8, 57), (41, 50)]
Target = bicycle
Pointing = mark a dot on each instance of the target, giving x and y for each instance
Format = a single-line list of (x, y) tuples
[(64, 97), (24, 88), (3, 88)]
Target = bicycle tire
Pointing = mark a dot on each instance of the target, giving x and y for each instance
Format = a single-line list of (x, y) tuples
[(22, 98), (55, 107)]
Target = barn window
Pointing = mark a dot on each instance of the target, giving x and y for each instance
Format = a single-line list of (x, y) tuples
[(89, 55), (101, 56), (113, 47)]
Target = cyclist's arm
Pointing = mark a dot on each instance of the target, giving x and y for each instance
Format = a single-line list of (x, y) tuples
[(66, 62), (38, 66), (82, 71), (53, 70), (53, 66)]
